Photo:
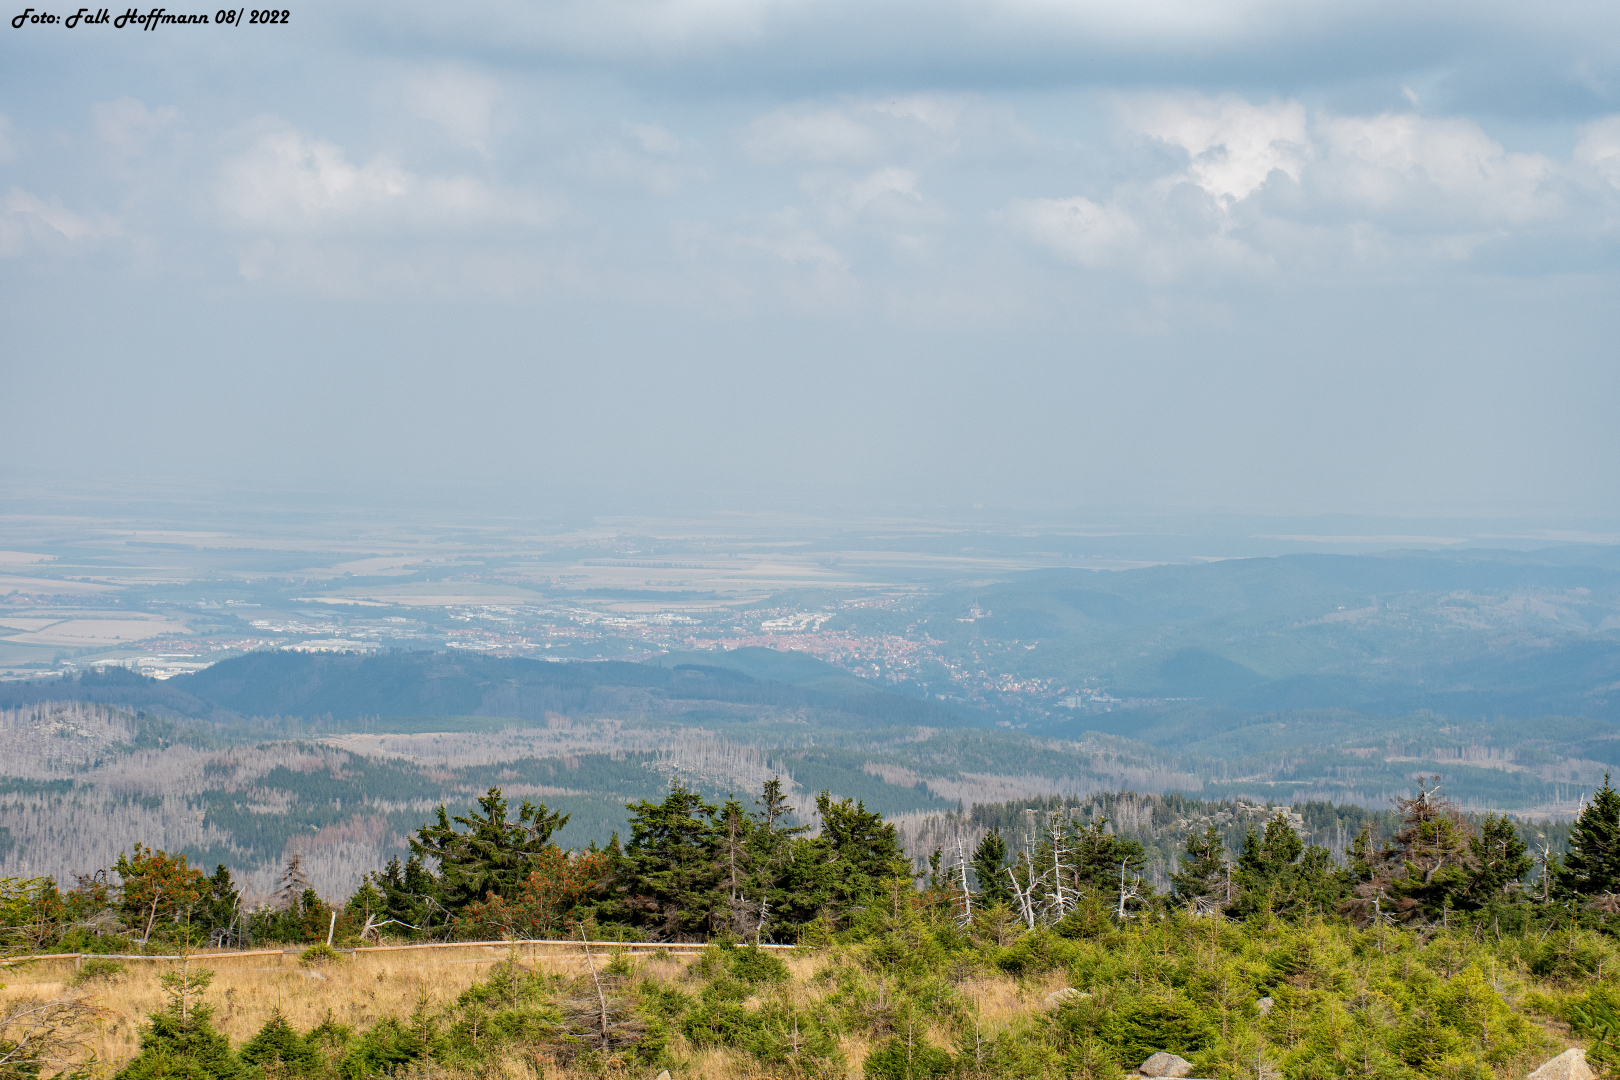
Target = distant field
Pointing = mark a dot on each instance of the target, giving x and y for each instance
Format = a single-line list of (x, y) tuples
[(90, 632), (34, 586)]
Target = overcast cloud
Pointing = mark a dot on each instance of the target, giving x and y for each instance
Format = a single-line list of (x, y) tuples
[(1254, 255)]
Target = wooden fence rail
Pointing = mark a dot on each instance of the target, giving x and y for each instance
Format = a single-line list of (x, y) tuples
[(520, 943)]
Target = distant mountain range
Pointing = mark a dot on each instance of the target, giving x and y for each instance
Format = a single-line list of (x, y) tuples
[(1468, 634), (345, 692)]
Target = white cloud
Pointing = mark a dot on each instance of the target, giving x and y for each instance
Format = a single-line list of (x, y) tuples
[(1599, 149), (461, 102), (1091, 234), (856, 131), (648, 157), (798, 246), (1268, 186), (286, 174), (286, 180), (49, 223), (654, 139), (1232, 146), (1404, 164), (804, 267), (886, 204), (820, 135), (1388, 164), (890, 181), (127, 125), (938, 113)]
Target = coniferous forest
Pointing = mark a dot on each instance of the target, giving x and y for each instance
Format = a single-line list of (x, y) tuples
[(1441, 945)]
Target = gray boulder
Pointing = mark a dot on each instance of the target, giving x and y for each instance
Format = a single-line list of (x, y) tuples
[(1065, 995), (1570, 1065), (1167, 1065)]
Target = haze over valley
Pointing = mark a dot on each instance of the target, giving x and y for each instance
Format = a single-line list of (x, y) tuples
[(237, 693)]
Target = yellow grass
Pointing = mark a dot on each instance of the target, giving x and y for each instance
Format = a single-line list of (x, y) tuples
[(247, 989), (368, 987)]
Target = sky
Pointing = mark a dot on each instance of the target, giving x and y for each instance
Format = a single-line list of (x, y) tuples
[(1253, 256)]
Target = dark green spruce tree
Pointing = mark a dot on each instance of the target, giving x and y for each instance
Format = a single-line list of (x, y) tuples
[(221, 908), (856, 851), (669, 878), (1276, 872), (410, 896), (1204, 871), (492, 856), (180, 1041), (989, 859), (278, 1049), (782, 867), (1498, 861), (1099, 857), (1592, 866)]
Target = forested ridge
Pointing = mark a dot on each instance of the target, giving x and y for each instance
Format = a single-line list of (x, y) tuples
[(287, 693), (1440, 946)]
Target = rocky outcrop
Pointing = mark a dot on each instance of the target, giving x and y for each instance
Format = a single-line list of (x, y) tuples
[(1570, 1065), (1165, 1065)]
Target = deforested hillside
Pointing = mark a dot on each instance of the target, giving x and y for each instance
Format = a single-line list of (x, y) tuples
[(721, 939), (346, 801), (1462, 634)]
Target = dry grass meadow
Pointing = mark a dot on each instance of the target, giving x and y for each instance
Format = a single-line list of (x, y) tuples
[(368, 987)]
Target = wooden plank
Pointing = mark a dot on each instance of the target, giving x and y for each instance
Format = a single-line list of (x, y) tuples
[(646, 946)]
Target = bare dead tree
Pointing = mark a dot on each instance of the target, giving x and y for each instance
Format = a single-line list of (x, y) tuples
[(146, 934), (961, 870), (1127, 893), (36, 1035), (1545, 859), (294, 882), (1054, 828), (1025, 892), (373, 928), (597, 979)]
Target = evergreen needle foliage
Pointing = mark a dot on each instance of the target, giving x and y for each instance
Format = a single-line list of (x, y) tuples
[(1426, 955)]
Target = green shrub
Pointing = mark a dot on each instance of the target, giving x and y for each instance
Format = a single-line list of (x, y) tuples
[(1090, 919), (901, 1059), (1139, 1027), (1036, 953), (329, 1038), (719, 1023), (755, 966), (914, 951), (277, 1044), (1575, 957), (321, 953), (175, 1047), (725, 988), (384, 1049), (774, 1034), (96, 969), (665, 1002), (509, 984), (1424, 1043), (1596, 1014)]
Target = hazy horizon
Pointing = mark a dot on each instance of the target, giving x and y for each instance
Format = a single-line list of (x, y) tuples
[(1258, 260)]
